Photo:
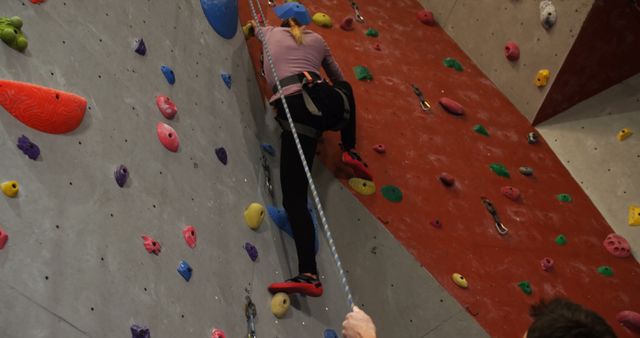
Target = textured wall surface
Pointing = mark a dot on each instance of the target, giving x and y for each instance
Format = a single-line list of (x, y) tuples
[(605, 52), (584, 137), (481, 29)]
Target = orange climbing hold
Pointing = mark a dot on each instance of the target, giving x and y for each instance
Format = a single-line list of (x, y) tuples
[(45, 109)]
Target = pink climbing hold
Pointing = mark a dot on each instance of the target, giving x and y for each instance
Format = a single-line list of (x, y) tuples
[(447, 179), (451, 106), (617, 246), (3, 238), (168, 137), (347, 24), (166, 106), (426, 17), (512, 51), (436, 223), (37, 1), (630, 320), (217, 333), (152, 246), (379, 148), (546, 264), (510, 192), (189, 233)]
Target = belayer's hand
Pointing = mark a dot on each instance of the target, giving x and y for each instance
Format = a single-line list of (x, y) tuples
[(358, 324)]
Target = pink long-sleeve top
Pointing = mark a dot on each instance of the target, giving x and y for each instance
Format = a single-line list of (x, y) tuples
[(289, 58)]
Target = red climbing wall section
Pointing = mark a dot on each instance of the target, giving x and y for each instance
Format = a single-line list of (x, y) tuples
[(422, 145)]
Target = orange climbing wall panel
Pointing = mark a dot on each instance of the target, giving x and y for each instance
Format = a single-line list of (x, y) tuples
[(422, 145)]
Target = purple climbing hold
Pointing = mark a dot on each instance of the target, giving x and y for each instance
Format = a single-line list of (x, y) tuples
[(121, 174), (221, 153), (28, 148), (140, 47), (138, 331), (251, 250), (227, 79)]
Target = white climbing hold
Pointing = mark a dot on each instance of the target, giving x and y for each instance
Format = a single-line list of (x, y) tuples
[(548, 14)]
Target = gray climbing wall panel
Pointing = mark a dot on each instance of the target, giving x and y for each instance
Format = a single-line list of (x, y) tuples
[(75, 265), (482, 28), (584, 138)]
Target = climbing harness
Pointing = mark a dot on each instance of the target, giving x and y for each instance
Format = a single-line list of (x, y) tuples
[(311, 82), (251, 313), (423, 102), (502, 230), (359, 17), (312, 186)]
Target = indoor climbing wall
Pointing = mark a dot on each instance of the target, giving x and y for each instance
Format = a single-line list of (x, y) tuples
[(449, 174), (75, 264), (484, 34)]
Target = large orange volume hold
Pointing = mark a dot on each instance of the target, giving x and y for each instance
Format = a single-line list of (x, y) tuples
[(45, 109)]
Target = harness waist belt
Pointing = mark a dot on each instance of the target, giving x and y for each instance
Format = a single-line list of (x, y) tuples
[(295, 79)]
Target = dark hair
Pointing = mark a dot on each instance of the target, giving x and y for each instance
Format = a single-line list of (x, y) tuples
[(561, 318)]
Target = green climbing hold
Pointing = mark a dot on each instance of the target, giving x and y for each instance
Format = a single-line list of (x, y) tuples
[(564, 198), (499, 169), (11, 34), (453, 63), (525, 286), (605, 271), (561, 240), (372, 32), (362, 73), (392, 193), (480, 129)]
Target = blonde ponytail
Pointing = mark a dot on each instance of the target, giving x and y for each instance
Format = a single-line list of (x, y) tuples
[(296, 30)]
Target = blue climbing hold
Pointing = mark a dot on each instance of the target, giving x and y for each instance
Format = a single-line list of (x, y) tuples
[(222, 16), (185, 270), (280, 218), (269, 149), (168, 73), (329, 333), (227, 79)]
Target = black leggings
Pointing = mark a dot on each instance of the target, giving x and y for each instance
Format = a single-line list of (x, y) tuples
[(292, 176)]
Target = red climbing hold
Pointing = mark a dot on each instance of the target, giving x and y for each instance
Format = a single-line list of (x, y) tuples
[(377, 47), (152, 246), (379, 148), (347, 24), (217, 333), (436, 223), (3, 238), (168, 136), (189, 233), (426, 17), (37, 1), (45, 109), (451, 106), (546, 264), (630, 320), (617, 246), (447, 179), (510, 192), (166, 106), (512, 51)]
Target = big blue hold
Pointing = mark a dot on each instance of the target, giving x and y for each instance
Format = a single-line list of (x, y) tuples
[(280, 218), (329, 333), (227, 79), (185, 270), (168, 73), (222, 16)]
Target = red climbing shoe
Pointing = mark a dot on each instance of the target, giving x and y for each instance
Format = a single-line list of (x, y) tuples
[(353, 160), (300, 284)]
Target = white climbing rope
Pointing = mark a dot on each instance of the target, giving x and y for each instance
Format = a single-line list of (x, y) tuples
[(314, 192)]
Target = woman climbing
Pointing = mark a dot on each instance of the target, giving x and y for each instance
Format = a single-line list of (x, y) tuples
[(315, 106)]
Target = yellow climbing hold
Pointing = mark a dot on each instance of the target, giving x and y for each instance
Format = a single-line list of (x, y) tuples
[(623, 134), (280, 304), (362, 186), (542, 78), (10, 188), (253, 215), (322, 20), (460, 280), (634, 215)]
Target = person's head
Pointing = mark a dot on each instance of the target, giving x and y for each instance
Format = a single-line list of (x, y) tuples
[(294, 16), (561, 318)]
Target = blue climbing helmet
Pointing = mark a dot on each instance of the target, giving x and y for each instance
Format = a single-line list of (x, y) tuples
[(293, 10)]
